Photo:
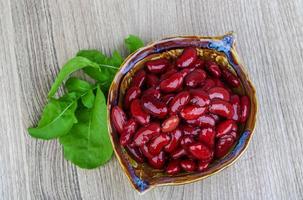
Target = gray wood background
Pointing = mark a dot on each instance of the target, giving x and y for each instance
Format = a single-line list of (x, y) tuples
[(38, 36)]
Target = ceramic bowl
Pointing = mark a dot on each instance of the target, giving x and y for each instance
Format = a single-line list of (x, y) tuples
[(220, 49)]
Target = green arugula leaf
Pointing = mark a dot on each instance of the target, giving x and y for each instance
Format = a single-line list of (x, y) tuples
[(57, 118), (71, 66), (88, 99), (77, 85), (133, 43), (87, 144), (108, 66)]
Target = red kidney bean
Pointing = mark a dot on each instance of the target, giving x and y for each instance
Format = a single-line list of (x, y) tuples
[(213, 69), (153, 92), (135, 153), (145, 151), (179, 101), (118, 118), (170, 123), (145, 133), (174, 141), (230, 78), (234, 127), (245, 108), (234, 134), (225, 127), (207, 84), (188, 165), (186, 140), (199, 63), (167, 74), (131, 94), (235, 102), (195, 78), (190, 112), (223, 145), (207, 137), (219, 93), (199, 97), (139, 78), (129, 129), (221, 108), (157, 161), (172, 83), (138, 113), (167, 98), (152, 80), (185, 72), (191, 131), (157, 66), (173, 167), (187, 58), (178, 153), (216, 117), (205, 120), (153, 106), (202, 166), (219, 83), (200, 151), (157, 143)]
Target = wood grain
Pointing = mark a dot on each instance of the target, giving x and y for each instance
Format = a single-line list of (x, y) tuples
[(37, 37)]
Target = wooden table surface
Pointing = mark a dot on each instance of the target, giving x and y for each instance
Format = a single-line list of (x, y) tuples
[(38, 36)]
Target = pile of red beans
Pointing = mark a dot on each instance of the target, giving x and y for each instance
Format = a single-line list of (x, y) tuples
[(180, 115)]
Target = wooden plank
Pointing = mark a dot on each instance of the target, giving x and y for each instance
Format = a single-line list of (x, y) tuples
[(37, 37)]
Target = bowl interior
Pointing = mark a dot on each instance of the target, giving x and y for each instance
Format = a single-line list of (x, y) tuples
[(215, 49)]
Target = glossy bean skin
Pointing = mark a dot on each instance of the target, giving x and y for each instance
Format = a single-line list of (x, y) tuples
[(188, 165), (200, 151), (191, 112), (139, 78), (179, 101), (219, 93), (131, 94), (174, 141), (178, 153), (199, 97), (170, 124), (224, 145), (221, 108), (213, 69), (207, 84), (199, 63), (145, 133), (153, 106), (172, 83), (157, 143), (118, 118), (235, 102), (128, 131), (167, 74), (202, 166), (230, 78), (138, 113), (186, 140), (187, 58), (153, 92), (167, 98), (145, 151), (215, 117), (207, 137), (157, 66), (190, 130), (135, 153), (152, 80), (157, 161), (173, 167), (225, 127), (245, 108), (195, 78), (204, 121)]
